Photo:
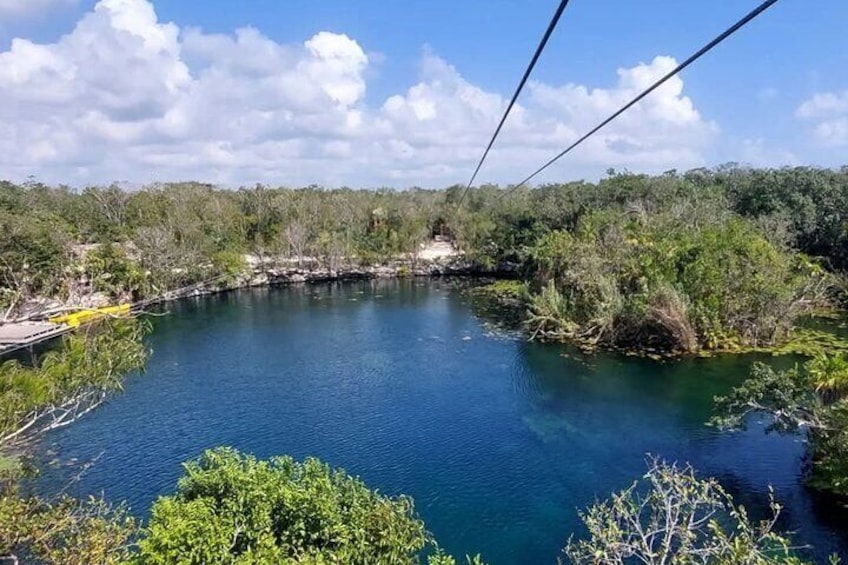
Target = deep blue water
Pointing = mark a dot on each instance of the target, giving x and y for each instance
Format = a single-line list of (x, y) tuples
[(499, 441)]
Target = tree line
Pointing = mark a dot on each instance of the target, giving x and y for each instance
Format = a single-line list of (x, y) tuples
[(707, 259)]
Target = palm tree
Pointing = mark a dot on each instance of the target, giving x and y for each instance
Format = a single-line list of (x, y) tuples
[(830, 376)]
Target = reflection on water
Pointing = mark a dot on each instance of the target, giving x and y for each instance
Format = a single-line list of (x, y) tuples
[(499, 441)]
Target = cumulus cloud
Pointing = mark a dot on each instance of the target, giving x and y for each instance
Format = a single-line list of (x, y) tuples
[(13, 10), (124, 96), (664, 129), (829, 112)]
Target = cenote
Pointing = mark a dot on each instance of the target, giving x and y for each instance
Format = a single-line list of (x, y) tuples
[(403, 383)]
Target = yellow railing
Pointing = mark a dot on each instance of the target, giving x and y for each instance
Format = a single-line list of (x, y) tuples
[(80, 317)]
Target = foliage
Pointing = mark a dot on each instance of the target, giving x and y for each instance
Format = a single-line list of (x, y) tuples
[(229, 264), (708, 259), (829, 374), (789, 396), (231, 508), (111, 271), (69, 382), (550, 314), (33, 256), (63, 530), (65, 385), (812, 398), (672, 516), (505, 290), (658, 281), (178, 234), (829, 468), (9, 466), (815, 202)]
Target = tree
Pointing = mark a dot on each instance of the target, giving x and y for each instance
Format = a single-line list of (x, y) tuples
[(810, 399), (296, 237), (33, 254), (61, 530), (70, 382), (109, 270), (670, 517), (105, 212), (233, 508)]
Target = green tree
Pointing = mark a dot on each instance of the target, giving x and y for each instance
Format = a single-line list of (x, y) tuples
[(232, 508), (671, 516), (33, 255), (61, 530), (810, 399), (109, 270), (70, 382)]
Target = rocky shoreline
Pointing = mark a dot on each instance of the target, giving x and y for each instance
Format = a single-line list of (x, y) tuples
[(270, 276)]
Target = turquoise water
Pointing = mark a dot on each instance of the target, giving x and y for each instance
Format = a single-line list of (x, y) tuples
[(403, 383)]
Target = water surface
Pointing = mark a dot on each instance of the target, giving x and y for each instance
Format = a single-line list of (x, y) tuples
[(499, 441)]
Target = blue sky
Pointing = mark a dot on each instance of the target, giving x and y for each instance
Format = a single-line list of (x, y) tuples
[(748, 96)]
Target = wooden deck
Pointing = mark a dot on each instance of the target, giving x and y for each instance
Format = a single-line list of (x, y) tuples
[(24, 334)]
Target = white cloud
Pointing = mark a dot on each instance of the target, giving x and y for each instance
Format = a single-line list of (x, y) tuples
[(13, 10), (829, 112), (124, 96), (664, 129), (824, 105)]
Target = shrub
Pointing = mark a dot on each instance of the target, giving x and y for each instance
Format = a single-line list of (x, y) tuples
[(232, 508), (637, 281), (672, 516)]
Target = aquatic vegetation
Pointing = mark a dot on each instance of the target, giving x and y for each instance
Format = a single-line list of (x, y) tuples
[(507, 290), (810, 342)]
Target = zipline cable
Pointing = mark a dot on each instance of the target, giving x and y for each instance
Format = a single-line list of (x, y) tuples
[(551, 26), (697, 55)]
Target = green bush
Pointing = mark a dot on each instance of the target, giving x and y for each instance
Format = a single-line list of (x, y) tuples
[(810, 399), (229, 264), (232, 508), (68, 382), (657, 281), (33, 255), (110, 271)]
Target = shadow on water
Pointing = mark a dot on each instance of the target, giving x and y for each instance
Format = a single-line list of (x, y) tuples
[(500, 442)]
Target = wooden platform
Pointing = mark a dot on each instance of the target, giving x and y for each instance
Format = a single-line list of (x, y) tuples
[(13, 336)]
